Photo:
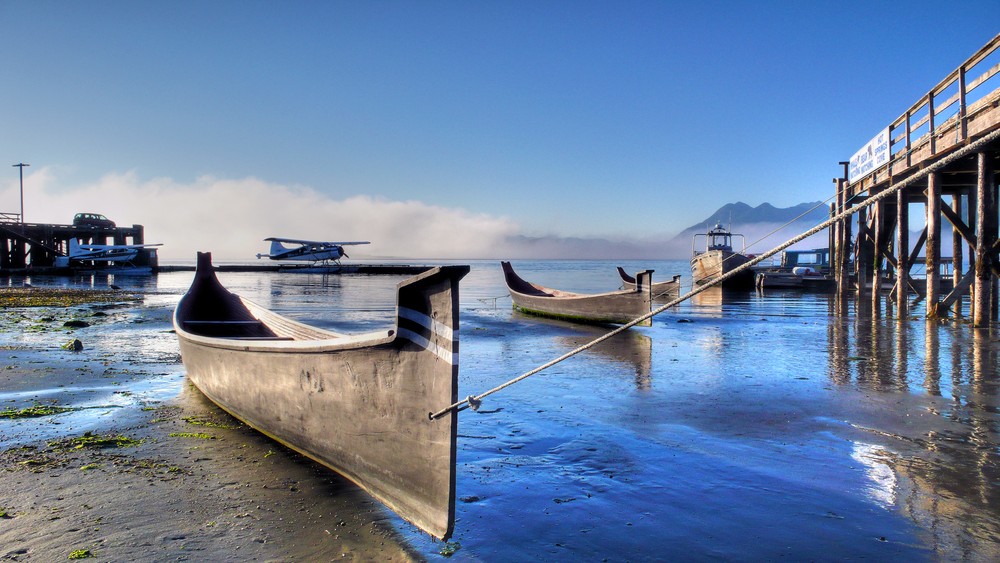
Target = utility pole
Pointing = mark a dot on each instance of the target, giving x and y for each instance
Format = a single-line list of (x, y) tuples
[(21, 166)]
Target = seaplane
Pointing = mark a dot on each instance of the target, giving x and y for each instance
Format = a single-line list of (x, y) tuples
[(308, 250), (79, 252)]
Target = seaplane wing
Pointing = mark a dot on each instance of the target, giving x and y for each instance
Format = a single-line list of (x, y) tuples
[(307, 250), (315, 242)]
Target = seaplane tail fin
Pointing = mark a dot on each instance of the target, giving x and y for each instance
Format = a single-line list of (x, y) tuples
[(74, 247), (277, 248)]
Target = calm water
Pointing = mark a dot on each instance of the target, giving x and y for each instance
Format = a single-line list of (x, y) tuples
[(737, 427)]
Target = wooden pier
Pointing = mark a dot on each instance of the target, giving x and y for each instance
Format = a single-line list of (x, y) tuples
[(942, 154), (33, 247)]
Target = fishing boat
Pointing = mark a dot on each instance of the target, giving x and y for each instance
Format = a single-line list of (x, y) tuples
[(671, 288), (614, 307), (358, 404), (719, 259)]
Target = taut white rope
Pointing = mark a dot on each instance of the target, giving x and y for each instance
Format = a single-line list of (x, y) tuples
[(475, 400)]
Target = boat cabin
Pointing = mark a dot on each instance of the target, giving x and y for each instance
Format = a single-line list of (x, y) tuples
[(717, 238), (817, 259)]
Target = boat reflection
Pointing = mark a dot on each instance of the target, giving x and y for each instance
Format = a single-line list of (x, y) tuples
[(629, 348), (714, 299)]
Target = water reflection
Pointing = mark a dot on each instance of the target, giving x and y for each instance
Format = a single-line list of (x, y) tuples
[(931, 403), (629, 348), (713, 298), (882, 481)]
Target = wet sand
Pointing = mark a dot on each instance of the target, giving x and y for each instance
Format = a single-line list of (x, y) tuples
[(194, 484), (752, 427)]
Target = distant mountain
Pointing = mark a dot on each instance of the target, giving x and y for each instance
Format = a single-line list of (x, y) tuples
[(740, 215), (764, 227)]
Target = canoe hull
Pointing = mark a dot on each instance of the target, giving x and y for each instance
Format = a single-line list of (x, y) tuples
[(617, 307), (357, 404)]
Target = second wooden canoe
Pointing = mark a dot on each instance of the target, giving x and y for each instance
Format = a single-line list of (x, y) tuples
[(613, 307)]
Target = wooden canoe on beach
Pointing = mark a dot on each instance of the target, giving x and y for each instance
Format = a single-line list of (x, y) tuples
[(615, 307), (671, 288), (358, 404)]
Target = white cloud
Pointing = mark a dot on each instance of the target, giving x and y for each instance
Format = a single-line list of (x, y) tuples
[(231, 218)]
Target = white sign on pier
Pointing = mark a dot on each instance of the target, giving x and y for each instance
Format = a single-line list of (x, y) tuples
[(871, 157)]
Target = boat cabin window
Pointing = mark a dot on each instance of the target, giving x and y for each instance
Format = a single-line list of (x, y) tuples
[(817, 258)]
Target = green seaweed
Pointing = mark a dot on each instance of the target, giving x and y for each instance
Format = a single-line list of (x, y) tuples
[(449, 548), (199, 435), (80, 554), (210, 424), (33, 411), (90, 440), (60, 297)]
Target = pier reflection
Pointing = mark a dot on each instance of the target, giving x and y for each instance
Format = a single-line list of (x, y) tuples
[(930, 416)]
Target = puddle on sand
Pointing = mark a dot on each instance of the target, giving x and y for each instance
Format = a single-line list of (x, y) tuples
[(94, 409)]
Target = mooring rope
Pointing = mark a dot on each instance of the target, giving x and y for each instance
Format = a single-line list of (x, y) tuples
[(475, 400)]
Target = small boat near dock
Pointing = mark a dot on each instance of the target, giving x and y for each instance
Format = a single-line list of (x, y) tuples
[(719, 259), (357, 404), (671, 288), (614, 307), (799, 269)]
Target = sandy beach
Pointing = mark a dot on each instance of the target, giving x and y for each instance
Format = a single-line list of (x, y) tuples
[(152, 480)]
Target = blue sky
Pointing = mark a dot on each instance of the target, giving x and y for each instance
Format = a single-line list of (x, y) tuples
[(406, 122)]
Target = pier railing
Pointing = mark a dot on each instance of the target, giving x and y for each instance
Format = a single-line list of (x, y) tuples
[(965, 105)]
